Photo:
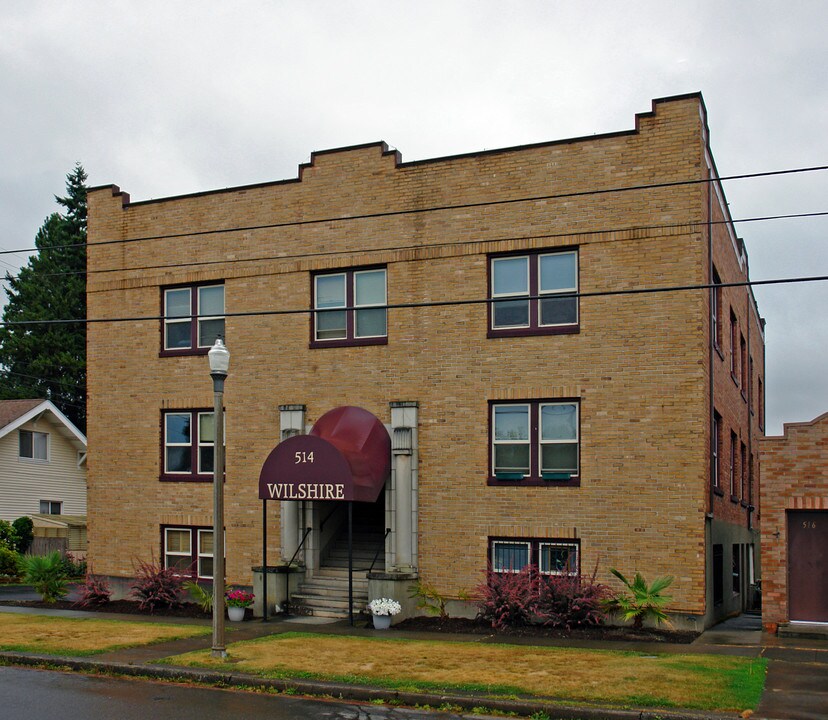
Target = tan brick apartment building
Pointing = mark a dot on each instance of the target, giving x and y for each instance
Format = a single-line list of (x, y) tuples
[(567, 423)]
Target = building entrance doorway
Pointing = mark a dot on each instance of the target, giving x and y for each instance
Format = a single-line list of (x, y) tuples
[(808, 565)]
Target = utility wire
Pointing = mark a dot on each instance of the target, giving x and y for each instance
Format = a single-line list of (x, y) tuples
[(331, 253), (434, 303), (438, 208)]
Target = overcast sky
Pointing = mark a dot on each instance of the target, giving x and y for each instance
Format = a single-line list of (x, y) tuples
[(163, 98)]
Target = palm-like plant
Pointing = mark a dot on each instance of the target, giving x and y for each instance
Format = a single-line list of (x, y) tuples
[(46, 573), (642, 602)]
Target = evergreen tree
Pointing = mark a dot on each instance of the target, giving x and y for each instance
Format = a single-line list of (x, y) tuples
[(43, 360)]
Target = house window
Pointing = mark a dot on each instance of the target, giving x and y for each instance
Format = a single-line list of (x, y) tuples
[(188, 551), (33, 445), (188, 445), (733, 441), (760, 403), (716, 301), (534, 442), (551, 557), (350, 308), (533, 294), (51, 507), (193, 318), (716, 442), (743, 369)]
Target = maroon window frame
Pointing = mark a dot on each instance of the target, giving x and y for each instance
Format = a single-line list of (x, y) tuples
[(193, 475), (734, 347), (534, 478), (350, 339), (743, 364), (193, 348), (534, 296), (733, 469), (193, 565), (716, 300)]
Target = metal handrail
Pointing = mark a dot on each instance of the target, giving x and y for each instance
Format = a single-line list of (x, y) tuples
[(382, 547), (304, 537)]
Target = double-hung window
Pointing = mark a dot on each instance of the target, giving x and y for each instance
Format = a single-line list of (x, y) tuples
[(33, 445), (349, 308), (188, 551), (550, 557), (51, 507), (534, 442), (188, 445), (193, 318), (533, 294)]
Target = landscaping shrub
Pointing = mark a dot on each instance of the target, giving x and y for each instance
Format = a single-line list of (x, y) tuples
[(46, 574), (8, 538), (570, 601), (74, 567), (24, 531), (203, 596), (642, 602), (94, 592), (509, 599), (156, 586), (9, 564), (531, 598)]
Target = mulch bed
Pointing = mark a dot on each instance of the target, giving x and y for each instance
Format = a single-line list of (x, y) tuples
[(595, 632), (448, 626)]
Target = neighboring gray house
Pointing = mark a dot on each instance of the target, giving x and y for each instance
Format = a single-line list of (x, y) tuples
[(42, 461)]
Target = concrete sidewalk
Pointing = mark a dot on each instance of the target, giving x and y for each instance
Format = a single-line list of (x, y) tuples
[(796, 688)]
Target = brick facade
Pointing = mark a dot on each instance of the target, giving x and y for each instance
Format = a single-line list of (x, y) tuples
[(794, 478), (640, 366)]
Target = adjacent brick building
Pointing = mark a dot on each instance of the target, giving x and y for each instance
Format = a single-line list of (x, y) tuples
[(487, 305), (795, 524)]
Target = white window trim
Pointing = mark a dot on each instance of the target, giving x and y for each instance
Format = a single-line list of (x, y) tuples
[(526, 543), (368, 306), (201, 554), (177, 553), (201, 320), (528, 440), (576, 441), (572, 547), (33, 459), (168, 444)]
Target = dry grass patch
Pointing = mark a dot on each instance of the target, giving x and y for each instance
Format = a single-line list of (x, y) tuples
[(79, 636), (593, 676)]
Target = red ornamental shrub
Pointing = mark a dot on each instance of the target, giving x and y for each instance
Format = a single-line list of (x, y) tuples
[(156, 586), (528, 597), (95, 591)]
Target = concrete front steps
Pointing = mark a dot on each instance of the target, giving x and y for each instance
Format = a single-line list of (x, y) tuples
[(326, 593), (814, 631)]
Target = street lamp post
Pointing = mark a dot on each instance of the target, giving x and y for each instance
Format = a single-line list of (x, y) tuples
[(219, 357)]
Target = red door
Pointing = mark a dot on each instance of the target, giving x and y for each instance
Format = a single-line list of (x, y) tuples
[(808, 565)]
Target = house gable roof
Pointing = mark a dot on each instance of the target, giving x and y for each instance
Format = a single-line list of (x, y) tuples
[(16, 413)]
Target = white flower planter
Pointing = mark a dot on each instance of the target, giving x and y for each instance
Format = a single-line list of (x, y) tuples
[(382, 622), (236, 614)]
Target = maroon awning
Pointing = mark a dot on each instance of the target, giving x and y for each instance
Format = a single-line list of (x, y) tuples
[(346, 456)]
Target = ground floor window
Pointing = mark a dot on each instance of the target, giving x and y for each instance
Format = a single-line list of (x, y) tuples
[(737, 569), (188, 550), (551, 557)]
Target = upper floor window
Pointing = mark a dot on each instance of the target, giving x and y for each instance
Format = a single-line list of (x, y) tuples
[(534, 442), (350, 308), (716, 449), (533, 294), (188, 445), (550, 557), (33, 445), (716, 300), (193, 318), (51, 507), (734, 347), (760, 403)]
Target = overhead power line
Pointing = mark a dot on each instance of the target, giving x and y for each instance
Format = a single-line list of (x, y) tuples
[(435, 303), (439, 208), (332, 253)]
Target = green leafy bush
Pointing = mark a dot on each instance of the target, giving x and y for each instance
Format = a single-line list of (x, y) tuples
[(643, 602), (202, 596), (24, 531), (74, 567), (8, 537), (9, 564), (47, 575)]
